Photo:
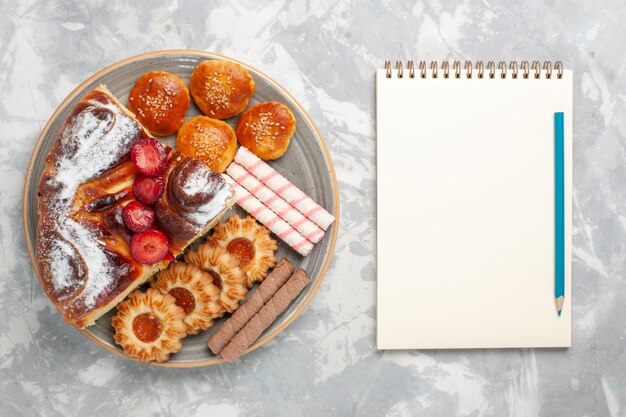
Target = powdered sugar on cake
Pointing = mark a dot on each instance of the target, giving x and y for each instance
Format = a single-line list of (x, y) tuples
[(196, 182), (202, 182), (94, 141), (85, 154), (82, 247), (102, 273), (60, 267), (208, 211)]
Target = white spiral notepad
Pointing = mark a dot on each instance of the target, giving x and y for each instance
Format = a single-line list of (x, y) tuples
[(473, 197)]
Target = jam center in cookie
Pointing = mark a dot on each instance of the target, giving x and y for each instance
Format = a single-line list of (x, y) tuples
[(147, 328), (184, 299), (243, 248), (217, 280)]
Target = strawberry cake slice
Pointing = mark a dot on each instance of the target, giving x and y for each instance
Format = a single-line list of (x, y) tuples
[(115, 207)]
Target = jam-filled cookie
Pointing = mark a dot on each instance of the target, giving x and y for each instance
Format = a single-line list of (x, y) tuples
[(194, 292), (149, 326), (221, 89), (159, 100), (251, 243), (266, 129), (209, 140), (224, 270)]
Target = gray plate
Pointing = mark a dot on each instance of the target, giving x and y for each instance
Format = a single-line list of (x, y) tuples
[(307, 164)]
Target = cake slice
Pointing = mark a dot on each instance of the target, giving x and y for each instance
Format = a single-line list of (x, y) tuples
[(83, 253)]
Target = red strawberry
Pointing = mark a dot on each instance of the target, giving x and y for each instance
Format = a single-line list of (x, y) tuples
[(148, 189), (148, 156), (137, 216), (169, 257), (149, 247)]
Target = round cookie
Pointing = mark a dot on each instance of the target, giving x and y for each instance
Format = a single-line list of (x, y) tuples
[(149, 326), (224, 270), (159, 100), (266, 129), (221, 89), (194, 292), (209, 140), (251, 243)]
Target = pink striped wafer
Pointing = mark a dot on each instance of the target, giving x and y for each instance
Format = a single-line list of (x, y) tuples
[(269, 219), (281, 186), (276, 203)]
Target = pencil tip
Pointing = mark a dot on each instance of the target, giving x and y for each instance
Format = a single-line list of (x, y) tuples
[(559, 304)]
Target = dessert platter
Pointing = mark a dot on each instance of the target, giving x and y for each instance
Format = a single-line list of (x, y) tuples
[(180, 208)]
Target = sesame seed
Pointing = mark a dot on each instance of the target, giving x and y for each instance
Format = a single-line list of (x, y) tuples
[(208, 142), (263, 129), (158, 104), (218, 91)]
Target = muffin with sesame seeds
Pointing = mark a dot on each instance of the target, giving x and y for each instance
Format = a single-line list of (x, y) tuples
[(221, 89), (209, 140), (159, 100), (266, 129)]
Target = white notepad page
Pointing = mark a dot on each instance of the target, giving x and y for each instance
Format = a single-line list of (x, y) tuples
[(465, 209)]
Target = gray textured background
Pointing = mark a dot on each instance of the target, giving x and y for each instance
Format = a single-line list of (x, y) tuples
[(324, 52)]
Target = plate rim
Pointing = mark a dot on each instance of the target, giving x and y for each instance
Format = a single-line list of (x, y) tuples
[(335, 189)]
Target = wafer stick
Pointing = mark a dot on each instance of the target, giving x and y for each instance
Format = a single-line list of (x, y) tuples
[(266, 316), (276, 203), (269, 219), (281, 186), (265, 291)]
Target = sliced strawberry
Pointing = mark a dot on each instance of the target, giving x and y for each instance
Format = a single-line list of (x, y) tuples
[(148, 156), (137, 216), (169, 257), (148, 189), (149, 247)]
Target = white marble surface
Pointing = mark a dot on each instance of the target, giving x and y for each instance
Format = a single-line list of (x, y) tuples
[(326, 363)]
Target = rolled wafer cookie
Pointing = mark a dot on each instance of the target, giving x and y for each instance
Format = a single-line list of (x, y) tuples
[(275, 202), (265, 291), (269, 219), (266, 316), (281, 186)]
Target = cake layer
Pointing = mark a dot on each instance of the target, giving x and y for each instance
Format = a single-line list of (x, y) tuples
[(82, 242)]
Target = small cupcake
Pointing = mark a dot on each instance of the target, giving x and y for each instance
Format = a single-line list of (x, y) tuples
[(221, 89), (209, 140), (159, 100), (266, 129)]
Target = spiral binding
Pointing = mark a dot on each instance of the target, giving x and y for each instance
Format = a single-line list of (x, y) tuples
[(521, 70)]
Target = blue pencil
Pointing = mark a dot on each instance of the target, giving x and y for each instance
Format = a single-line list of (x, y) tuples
[(559, 212)]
